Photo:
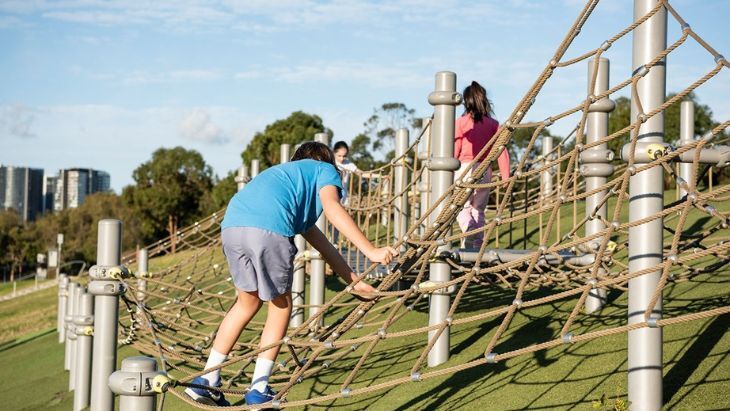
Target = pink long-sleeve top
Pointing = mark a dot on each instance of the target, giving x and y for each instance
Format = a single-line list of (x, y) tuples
[(471, 138)]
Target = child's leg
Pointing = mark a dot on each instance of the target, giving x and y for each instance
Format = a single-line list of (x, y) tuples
[(277, 321), (246, 306)]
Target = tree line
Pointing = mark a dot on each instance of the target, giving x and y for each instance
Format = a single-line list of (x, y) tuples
[(176, 187)]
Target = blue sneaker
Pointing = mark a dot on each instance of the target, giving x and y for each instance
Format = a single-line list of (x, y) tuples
[(254, 397), (206, 396)]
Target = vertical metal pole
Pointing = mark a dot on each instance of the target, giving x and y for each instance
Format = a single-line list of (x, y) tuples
[(317, 265), (400, 225), (424, 186), (83, 322), (136, 384), (442, 165), (106, 312), (686, 136), (67, 319), (297, 288), (242, 177), (646, 198), (59, 242), (255, 166), (142, 273), (547, 175), (596, 169), (62, 298), (71, 335)]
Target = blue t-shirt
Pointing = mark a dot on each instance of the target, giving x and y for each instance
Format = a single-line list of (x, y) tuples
[(283, 199)]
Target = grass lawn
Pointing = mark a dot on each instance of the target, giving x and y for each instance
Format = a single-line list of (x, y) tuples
[(570, 376)]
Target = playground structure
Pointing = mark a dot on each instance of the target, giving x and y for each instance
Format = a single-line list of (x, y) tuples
[(172, 313)]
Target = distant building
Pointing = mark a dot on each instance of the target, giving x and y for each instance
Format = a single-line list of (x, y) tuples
[(21, 189), (72, 185)]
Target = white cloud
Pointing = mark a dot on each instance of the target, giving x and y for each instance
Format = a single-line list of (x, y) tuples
[(17, 120), (197, 125)]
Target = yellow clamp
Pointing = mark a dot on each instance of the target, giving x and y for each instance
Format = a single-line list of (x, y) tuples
[(118, 272), (610, 246), (657, 150), (160, 383), (88, 330)]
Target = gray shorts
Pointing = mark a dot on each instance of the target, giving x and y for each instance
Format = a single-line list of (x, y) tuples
[(259, 260)]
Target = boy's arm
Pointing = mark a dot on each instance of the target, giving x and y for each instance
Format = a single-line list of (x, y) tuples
[(317, 239), (338, 216)]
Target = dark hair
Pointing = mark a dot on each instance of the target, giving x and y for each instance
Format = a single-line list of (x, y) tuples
[(476, 102), (314, 150), (339, 145)]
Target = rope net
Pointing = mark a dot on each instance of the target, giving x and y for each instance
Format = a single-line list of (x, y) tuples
[(186, 296)]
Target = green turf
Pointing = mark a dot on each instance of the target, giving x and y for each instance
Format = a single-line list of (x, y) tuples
[(696, 364), (7, 288)]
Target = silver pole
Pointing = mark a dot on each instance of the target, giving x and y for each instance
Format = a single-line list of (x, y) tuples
[(424, 186), (106, 290), (62, 298), (686, 136), (596, 168), (67, 318), (297, 288), (255, 166), (71, 335), (547, 174), (646, 198), (400, 223), (142, 273), (242, 177), (317, 265), (442, 165), (83, 322), (137, 384)]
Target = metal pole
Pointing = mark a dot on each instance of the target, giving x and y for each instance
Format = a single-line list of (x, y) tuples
[(255, 166), (67, 318), (400, 223), (424, 186), (138, 383), (59, 242), (547, 175), (62, 298), (142, 273), (70, 336), (317, 265), (106, 290), (596, 169), (686, 136), (646, 198), (442, 165), (84, 329), (242, 177), (297, 288)]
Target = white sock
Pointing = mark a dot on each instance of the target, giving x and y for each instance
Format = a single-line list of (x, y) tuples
[(215, 358), (261, 374)]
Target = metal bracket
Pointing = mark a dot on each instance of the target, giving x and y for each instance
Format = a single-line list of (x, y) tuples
[(106, 272)]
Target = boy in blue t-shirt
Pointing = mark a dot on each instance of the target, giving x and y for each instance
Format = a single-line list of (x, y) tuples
[(258, 241)]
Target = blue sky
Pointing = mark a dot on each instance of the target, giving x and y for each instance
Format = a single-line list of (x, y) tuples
[(102, 84)]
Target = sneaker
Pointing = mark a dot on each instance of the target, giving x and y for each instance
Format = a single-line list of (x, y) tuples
[(254, 397), (205, 395)]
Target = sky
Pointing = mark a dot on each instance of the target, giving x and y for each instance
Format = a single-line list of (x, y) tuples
[(102, 84)]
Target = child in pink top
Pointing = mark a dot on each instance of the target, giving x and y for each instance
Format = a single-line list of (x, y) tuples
[(474, 129)]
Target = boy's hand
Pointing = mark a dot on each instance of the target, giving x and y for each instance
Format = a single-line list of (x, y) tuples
[(363, 289), (382, 255)]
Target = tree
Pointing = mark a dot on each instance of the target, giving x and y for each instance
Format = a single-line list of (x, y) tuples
[(382, 125), (620, 117), (221, 193), (169, 191), (296, 128), (360, 153)]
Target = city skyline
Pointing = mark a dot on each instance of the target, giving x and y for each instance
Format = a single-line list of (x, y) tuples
[(105, 84)]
